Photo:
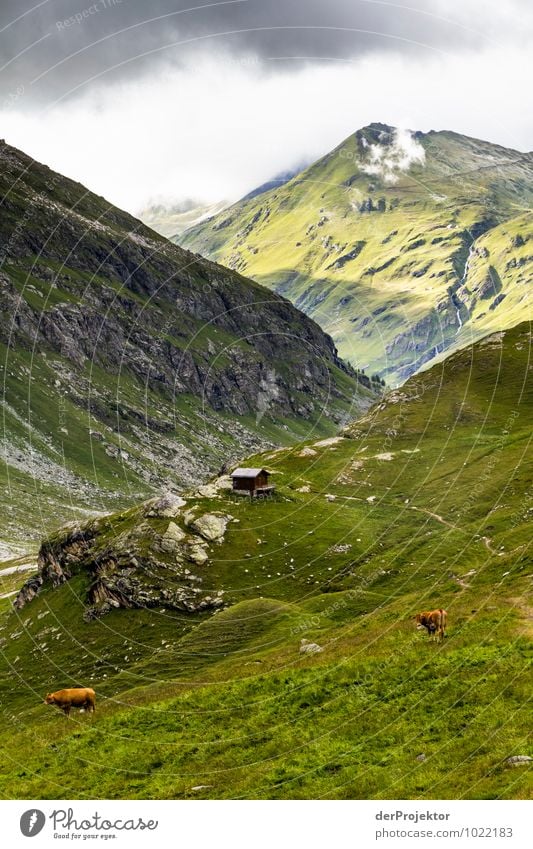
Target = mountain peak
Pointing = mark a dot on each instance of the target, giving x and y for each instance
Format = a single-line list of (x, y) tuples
[(377, 126), (376, 133)]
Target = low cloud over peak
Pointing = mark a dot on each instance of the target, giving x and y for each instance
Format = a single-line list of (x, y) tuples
[(392, 157)]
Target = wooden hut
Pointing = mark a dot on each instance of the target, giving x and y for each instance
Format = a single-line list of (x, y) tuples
[(252, 482)]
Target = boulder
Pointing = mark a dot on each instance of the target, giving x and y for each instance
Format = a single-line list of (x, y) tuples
[(211, 526), (197, 554), (223, 482), (518, 760), (28, 592), (188, 516), (172, 538), (209, 490), (168, 506), (306, 647)]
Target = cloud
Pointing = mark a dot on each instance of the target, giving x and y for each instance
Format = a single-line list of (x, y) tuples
[(389, 159), (60, 46), (219, 124)]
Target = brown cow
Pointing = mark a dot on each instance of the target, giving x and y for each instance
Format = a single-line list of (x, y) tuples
[(79, 697), (434, 621)]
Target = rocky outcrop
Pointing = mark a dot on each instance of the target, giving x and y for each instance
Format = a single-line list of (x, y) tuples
[(132, 561), (116, 588), (349, 256), (28, 592), (58, 560)]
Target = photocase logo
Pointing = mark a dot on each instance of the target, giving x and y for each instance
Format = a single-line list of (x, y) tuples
[(32, 822)]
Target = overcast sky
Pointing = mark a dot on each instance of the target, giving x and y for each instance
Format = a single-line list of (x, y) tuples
[(168, 99)]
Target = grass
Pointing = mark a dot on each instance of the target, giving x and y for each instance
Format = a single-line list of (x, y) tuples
[(350, 729), (432, 506)]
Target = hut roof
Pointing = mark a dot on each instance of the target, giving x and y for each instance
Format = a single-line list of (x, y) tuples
[(247, 473)]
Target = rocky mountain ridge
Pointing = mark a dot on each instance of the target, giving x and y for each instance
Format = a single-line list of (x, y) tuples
[(131, 365)]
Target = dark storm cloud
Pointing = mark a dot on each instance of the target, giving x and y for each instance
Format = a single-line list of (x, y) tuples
[(51, 47)]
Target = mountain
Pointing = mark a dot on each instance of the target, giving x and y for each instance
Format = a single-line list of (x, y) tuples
[(187, 616), (401, 245), (129, 365), (277, 181), (171, 220)]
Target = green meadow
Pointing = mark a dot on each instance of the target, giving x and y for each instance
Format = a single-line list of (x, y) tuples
[(424, 502)]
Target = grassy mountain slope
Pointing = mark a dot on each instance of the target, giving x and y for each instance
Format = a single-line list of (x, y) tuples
[(128, 364), (384, 241), (424, 502)]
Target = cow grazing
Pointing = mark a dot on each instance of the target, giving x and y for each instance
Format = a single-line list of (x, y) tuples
[(78, 697), (434, 621)]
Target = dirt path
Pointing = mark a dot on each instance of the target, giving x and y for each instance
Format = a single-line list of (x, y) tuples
[(488, 545), (439, 519), (487, 542)]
